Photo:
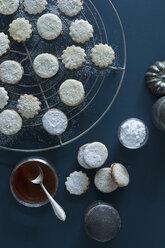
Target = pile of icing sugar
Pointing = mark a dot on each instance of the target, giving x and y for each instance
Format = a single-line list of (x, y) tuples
[(133, 133)]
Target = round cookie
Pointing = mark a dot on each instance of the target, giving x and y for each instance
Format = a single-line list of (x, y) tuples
[(70, 7), (49, 26), (95, 154), (20, 30), (46, 65), (71, 92), (11, 72), (8, 7), (55, 122), (4, 44), (81, 31), (34, 7), (3, 97), (104, 181), (120, 174), (102, 221), (77, 183), (10, 122), (73, 57), (102, 55), (28, 106), (80, 157)]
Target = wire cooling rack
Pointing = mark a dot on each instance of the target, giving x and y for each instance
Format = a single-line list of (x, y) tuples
[(101, 85)]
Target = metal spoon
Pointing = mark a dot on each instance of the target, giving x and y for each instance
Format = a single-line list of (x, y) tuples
[(56, 207)]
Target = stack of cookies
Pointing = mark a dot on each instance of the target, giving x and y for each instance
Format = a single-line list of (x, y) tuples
[(108, 179)]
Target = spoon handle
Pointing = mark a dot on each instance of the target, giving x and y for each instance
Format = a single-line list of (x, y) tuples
[(56, 207)]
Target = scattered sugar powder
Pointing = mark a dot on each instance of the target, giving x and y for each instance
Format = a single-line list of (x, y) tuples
[(133, 133)]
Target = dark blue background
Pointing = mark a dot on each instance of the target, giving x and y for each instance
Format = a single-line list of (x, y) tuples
[(142, 204)]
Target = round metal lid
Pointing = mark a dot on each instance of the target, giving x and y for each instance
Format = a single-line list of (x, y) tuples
[(102, 221)]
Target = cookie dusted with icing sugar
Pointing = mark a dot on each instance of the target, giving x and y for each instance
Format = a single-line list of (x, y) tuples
[(28, 106), (8, 7), (120, 174), (55, 122), (102, 55), (77, 183), (46, 65), (3, 97), (10, 122), (70, 7), (34, 7), (80, 157), (49, 26), (4, 44), (81, 31), (95, 154), (104, 181), (73, 57), (71, 92), (20, 30), (11, 72)]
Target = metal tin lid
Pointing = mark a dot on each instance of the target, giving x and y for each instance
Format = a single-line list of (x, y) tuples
[(102, 221)]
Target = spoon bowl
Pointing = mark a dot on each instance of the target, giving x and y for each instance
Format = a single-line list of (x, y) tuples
[(58, 210)]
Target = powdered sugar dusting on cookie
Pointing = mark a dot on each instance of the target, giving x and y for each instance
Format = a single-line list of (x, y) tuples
[(34, 6), (80, 157), (49, 26), (81, 31), (73, 57), (55, 121), (3, 97), (95, 154), (120, 174), (10, 122), (11, 72), (71, 92), (46, 65), (20, 29), (28, 106), (8, 7), (104, 181), (4, 43), (77, 183), (102, 55), (70, 7)]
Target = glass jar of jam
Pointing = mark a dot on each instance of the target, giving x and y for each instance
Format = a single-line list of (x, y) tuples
[(27, 193)]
